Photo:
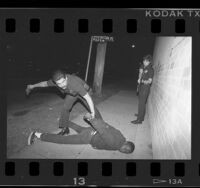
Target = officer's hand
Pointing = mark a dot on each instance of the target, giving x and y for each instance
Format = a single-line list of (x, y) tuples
[(28, 89), (92, 115), (88, 117)]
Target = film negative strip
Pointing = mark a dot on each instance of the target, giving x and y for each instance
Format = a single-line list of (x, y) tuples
[(99, 97)]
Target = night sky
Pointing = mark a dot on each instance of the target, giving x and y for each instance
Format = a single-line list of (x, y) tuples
[(32, 58)]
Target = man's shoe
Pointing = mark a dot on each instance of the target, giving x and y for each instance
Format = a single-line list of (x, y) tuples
[(32, 137), (137, 121), (64, 131)]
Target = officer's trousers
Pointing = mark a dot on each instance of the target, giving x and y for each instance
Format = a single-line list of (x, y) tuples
[(143, 95)]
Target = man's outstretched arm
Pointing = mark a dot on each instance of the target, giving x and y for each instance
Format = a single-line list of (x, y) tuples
[(32, 86)]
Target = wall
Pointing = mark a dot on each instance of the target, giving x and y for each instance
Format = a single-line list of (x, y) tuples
[(169, 102)]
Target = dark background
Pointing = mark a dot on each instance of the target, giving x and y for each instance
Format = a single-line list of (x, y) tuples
[(32, 59)]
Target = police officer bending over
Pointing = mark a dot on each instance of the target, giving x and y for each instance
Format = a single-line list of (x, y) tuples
[(74, 88)]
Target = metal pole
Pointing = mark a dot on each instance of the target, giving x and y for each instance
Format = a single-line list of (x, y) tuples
[(90, 49), (99, 68)]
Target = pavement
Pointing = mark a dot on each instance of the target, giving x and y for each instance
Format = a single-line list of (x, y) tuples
[(118, 110)]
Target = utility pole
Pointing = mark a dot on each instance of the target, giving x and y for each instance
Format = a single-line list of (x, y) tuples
[(89, 55), (99, 68), (100, 61)]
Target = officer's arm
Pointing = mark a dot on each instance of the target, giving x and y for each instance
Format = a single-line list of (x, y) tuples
[(140, 75), (30, 87), (40, 84), (88, 98)]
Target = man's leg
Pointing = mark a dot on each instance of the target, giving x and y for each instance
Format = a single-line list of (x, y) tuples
[(59, 139), (65, 112), (83, 138)]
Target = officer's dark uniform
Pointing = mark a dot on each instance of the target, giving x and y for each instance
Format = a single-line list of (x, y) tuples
[(76, 89), (144, 90)]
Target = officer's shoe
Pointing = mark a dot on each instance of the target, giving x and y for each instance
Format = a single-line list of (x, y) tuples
[(64, 131), (137, 121), (32, 137)]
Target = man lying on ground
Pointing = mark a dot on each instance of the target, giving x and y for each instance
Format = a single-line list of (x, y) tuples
[(100, 136)]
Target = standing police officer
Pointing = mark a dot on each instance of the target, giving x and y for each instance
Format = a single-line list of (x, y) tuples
[(145, 79)]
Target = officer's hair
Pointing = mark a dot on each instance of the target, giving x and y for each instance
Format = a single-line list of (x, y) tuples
[(58, 74), (148, 58)]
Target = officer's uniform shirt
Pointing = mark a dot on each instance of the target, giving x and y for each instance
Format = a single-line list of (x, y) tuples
[(147, 73), (75, 86)]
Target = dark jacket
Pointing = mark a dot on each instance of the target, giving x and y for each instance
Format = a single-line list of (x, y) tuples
[(107, 137), (148, 72)]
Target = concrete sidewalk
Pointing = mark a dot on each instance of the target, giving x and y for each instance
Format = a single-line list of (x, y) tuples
[(118, 111)]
